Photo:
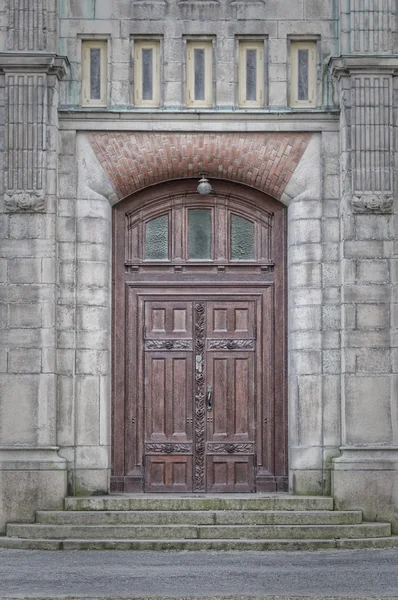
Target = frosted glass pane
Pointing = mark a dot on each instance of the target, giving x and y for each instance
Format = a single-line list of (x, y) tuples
[(147, 72), (251, 74), (199, 233), (242, 238), (199, 58), (157, 239), (95, 73), (303, 74)]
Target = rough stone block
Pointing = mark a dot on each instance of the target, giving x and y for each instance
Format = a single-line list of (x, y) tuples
[(305, 362), (87, 406), (368, 409), (92, 362), (305, 231), (18, 408), (310, 410), (25, 315), (305, 317), (373, 271), (66, 411), (373, 316), (27, 270), (305, 274)]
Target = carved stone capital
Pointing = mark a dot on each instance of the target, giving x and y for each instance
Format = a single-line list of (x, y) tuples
[(24, 203), (373, 204)]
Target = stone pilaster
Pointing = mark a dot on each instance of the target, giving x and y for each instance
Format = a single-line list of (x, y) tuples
[(31, 25), (32, 473), (367, 26), (366, 473)]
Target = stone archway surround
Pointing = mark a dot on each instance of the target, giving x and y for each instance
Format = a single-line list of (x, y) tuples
[(112, 166)]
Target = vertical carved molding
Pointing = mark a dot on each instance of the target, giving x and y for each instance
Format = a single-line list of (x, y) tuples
[(371, 26), (200, 408), (26, 130), (27, 25), (372, 143)]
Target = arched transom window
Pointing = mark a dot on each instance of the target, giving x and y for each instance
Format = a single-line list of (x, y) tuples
[(183, 229)]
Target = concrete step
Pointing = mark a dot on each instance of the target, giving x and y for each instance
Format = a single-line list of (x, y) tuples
[(199, 503), (209, 544), (191, 517), (226, 532)]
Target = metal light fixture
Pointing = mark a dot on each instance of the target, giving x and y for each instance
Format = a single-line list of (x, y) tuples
[(204, 187)]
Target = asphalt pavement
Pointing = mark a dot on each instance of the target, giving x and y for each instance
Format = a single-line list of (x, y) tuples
[(107, 574)]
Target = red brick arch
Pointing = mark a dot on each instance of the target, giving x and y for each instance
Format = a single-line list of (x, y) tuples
[(265, 161)]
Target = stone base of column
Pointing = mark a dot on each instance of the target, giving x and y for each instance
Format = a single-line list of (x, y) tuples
[(31, 479), (367, 479)]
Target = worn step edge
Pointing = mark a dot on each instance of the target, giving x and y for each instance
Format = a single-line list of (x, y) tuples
[(268, 503), (305, 517), (187, 532), (259, 545)]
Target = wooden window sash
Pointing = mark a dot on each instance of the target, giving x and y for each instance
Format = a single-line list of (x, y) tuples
[(139, 46), (260, 88), (87, 46), (208, 75), (312, 74)]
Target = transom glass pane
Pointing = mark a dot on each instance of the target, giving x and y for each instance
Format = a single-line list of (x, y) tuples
[(199, 233), (147, 70), (199, 66), (95, 73), (242, 238), (303, 61), (251, 74), (157, 238)]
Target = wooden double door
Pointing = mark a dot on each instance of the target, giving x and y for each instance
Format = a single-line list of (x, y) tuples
[(201, 374), (199, 341)]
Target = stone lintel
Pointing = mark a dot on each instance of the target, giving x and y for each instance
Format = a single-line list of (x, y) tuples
[(34, 62)]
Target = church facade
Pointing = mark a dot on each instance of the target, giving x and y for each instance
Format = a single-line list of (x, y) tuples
[(199, 250)]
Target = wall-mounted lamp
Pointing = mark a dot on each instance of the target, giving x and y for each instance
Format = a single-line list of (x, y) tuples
[(204, 187)]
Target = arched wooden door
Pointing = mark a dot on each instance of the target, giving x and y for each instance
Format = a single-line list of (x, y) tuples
[(199, 354)]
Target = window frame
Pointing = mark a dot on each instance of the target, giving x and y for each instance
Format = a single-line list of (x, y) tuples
[(88, 45), (258, 45), (191, 46), (312, 47), (139, 45)]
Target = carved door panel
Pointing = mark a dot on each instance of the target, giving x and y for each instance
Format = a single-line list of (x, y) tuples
[(230, 361), (199, 370), (168, 398)]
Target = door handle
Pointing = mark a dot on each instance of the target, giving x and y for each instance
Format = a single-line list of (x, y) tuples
[(209, 398)]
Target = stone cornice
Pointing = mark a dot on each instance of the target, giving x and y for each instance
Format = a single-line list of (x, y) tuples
[(346, 65), (34, 62)]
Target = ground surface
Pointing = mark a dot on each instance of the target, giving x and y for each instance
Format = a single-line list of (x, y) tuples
[(104, 574)]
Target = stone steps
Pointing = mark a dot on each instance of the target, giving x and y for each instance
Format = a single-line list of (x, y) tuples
[(220, 517), (208, 522), (200, 503), (191, 532), (241, 544)]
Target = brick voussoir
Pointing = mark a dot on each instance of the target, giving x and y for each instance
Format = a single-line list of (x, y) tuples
[(264, 161)]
